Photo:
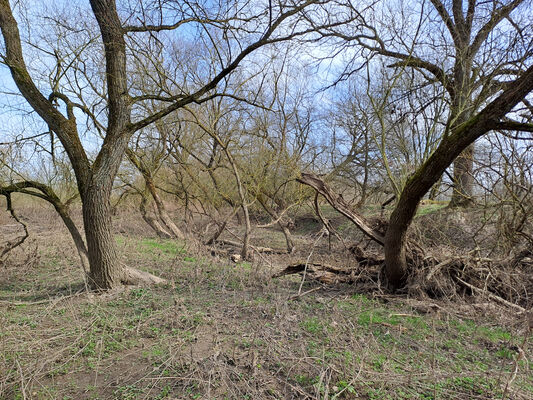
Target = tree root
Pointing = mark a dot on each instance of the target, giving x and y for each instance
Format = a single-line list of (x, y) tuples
[(134, 276), (508, 282)]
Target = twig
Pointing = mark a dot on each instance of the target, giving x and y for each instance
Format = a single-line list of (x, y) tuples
[(307, 262), (20, 240), (21, 379), (521, 355), (493, 296), (32, 303), (294, 297)]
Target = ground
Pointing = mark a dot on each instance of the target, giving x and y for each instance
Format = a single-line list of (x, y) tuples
[(220, 330)]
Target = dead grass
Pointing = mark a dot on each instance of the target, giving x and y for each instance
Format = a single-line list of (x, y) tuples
[(220, 330)]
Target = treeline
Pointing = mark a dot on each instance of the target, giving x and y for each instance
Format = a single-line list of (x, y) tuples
[(224, 108)]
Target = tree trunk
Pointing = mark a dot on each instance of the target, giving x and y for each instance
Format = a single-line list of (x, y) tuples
[(288, 237), (429, 173), (152, 222), (284, 225), (463, 187), (435, 190), (106, 271), (162, 211)]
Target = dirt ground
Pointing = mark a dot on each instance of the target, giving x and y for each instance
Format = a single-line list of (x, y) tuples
[(225, 330)]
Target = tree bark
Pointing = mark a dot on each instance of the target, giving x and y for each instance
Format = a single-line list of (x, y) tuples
[(428, 174), (105, 271), (463, 180)]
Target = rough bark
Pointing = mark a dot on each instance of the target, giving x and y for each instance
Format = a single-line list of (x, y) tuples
[(105, 271), (429, 173)]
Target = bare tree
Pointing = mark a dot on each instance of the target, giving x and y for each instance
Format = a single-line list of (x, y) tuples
[(469, 49), (233, 31), (489, 75)]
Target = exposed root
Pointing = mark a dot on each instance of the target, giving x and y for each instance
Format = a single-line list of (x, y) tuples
[(134, 276), (508, 282)]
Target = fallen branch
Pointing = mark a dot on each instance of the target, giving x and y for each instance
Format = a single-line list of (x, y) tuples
[(491, 296), (11, 245), (321, 272), (298, 295), (258, 249), (339, 204)]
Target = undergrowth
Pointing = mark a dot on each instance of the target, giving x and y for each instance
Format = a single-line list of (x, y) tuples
[(219, 330)]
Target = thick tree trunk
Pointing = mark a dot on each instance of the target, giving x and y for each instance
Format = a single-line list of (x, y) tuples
[(105, 271), (463, 185)]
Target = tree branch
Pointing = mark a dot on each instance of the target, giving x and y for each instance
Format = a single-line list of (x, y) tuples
[(196, 96)]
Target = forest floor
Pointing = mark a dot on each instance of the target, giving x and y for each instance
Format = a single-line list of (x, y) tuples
[(224, 330)]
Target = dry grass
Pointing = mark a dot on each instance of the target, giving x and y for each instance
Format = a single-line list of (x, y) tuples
[(228, 331)]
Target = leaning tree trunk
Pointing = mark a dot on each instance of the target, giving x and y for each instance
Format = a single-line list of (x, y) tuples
[(162, 211), (429, 173), (151, 221)]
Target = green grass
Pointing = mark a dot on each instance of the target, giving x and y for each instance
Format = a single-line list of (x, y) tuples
[(220, 330), (166, 246), (425, 209), (149, 247)]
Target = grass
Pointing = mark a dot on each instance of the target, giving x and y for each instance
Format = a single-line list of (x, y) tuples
[(225, 331), (425, 209)]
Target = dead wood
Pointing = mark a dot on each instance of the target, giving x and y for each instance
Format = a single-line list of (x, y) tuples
[(508, 282), (339, 204), (365, 258), (259, 249), (323, 273), (491, 296), (326, 223)]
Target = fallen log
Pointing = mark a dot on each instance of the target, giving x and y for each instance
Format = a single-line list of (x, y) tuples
[(259, 249), (323, 273)]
